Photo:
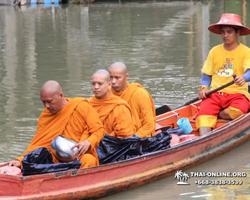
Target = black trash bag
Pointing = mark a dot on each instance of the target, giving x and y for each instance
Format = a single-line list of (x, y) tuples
[(40, 161), (178, 131), (113, 149)]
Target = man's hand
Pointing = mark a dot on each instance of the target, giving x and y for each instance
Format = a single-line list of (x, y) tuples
[(202, 93), (239, 80), (15, 163), (83, 147)]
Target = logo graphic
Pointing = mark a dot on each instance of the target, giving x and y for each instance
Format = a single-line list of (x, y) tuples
[(182, 178)]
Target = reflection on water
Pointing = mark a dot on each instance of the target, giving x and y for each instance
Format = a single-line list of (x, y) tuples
[(164, 45), (157, 41), (168, 189)]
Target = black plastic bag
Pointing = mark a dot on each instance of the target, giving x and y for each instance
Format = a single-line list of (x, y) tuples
[(178, 131), (113, 149), (40, 161)]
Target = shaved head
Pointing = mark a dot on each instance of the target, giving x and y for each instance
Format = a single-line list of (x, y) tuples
[(101, 83), (104, 72), (51, 95), (119, 66), (118, 76), (52, 87)]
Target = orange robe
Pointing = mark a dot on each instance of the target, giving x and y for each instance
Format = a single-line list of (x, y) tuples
[(77, 121), (115, 115), (142, 107)]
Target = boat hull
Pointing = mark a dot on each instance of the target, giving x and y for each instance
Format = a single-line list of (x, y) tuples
[(116, 177)]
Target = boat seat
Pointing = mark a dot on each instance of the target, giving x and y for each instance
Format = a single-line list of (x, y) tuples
[(219, 120), (162, 128), (191, 120), (223, 120)]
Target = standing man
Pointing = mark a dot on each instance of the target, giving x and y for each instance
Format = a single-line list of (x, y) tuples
[(113, 111), (74, 119), (223, 61), (138, 98)]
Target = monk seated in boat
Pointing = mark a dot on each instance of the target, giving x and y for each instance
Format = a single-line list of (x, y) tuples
[(138, 98), (225, 60), (113, 111), (74, 119)]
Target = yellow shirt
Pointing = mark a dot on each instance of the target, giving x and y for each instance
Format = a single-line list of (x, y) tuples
[(222, 64)]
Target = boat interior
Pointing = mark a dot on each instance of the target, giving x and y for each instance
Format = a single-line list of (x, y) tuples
[(164, 121), (168, 120)]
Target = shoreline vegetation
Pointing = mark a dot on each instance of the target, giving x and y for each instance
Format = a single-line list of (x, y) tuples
[(56, 2)]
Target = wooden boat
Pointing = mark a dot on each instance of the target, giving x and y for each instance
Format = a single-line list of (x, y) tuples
[(119, 176)]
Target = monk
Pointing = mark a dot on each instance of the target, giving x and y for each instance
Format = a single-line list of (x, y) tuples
[(138, 98), (74, 119), (113, 111)]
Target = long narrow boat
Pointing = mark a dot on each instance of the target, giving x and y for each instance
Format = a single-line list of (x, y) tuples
[(119, 176)]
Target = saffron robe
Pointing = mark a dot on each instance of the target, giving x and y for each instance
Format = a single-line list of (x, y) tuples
[(77, 121), (115, 115), (142, 107)]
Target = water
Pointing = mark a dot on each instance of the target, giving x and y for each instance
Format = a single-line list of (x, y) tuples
[(164, 45), (237, 160)]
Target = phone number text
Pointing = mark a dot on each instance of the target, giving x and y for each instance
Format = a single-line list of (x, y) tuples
[(218, 182)]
